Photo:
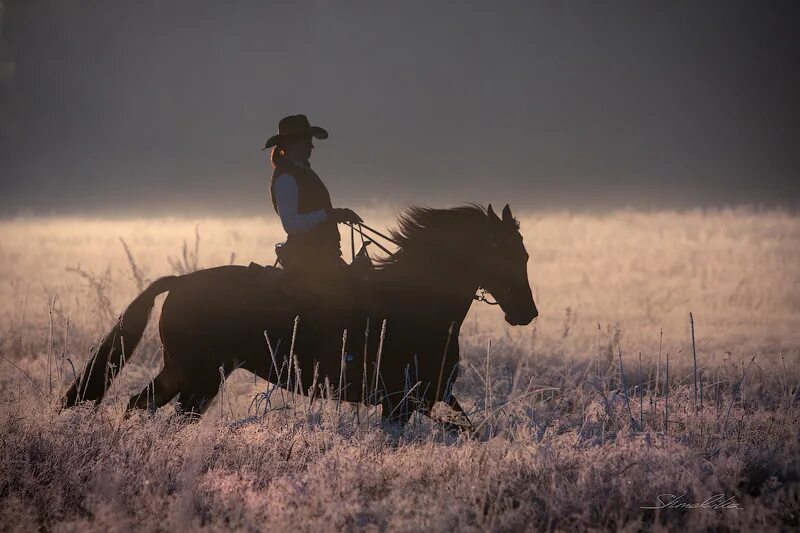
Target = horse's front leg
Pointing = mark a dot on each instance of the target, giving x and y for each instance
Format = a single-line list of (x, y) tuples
[(456, 422), (464, 424)]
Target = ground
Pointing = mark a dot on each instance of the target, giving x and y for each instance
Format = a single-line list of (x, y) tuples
[(579, 426)]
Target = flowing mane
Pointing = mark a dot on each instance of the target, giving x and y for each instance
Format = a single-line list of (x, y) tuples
[(420, 229)]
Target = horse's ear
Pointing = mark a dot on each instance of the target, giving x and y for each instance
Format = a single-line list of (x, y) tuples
[(492, 216), (507, 217)]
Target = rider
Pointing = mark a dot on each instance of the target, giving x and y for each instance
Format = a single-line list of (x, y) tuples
[(302, 202)]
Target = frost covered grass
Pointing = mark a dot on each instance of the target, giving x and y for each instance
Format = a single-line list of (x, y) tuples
[(581, 424)]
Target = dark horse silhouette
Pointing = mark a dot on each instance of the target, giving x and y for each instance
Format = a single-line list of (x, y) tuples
[(216, 320)]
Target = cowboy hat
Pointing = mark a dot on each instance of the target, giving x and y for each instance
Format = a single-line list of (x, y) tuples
[(293, 127)]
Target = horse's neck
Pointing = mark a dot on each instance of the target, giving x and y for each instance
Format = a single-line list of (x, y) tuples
[(442, 293)]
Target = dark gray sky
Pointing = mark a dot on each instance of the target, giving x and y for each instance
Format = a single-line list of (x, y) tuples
[(158, 106)]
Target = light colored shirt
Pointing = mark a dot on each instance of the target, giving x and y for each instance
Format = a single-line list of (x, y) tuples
[(287, 195)]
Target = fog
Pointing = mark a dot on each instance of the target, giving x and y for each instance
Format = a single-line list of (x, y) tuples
[(162, 107)]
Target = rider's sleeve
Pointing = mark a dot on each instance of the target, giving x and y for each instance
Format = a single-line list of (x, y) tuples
[(286, 198)]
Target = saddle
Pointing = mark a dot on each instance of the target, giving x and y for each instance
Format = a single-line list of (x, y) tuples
[(361, 264), (358, 270)]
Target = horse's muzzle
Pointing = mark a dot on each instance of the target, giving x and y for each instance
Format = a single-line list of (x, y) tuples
[(521, 319)]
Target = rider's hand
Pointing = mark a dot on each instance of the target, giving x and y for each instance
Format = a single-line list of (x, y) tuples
[(343, 214)]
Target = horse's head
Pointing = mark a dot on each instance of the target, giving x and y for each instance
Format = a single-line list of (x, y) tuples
[(503, 268), (471, 246)]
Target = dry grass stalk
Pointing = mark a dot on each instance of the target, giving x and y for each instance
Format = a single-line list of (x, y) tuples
[(624, 389), (694, 359), (23, 373), (376, 381), (666, 398), (658, 362), (342, 373), (444, 358), (641, 395)]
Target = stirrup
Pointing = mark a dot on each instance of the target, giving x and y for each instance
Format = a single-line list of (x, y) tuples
[(278, 252)]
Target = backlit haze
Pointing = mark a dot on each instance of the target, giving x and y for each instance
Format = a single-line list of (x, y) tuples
[(649, 151), (154, 108)]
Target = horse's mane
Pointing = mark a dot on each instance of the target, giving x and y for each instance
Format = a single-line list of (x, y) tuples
[(419, 228)]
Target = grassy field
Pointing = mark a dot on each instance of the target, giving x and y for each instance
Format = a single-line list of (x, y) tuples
[(564, 441)]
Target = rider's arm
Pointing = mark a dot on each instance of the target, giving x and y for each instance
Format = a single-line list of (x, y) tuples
[(286, 198)]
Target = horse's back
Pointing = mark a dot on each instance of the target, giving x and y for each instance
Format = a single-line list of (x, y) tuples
[(230, 298), (229, 280)]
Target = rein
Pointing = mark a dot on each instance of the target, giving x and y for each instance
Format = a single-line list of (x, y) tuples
[(481, 296), (360, 230)]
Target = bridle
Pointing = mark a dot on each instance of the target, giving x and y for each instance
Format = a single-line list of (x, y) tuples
[(367, 240), (481, 297)]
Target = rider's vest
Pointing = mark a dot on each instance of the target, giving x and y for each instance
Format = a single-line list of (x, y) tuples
[(312, 196)]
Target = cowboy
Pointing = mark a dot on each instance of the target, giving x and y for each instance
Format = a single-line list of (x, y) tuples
[(302, 201), (330, 293)]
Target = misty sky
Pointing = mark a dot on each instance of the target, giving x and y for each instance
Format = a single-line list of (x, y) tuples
[(163, 106)]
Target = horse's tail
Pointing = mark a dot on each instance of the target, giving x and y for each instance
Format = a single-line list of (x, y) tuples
[(116, 346)]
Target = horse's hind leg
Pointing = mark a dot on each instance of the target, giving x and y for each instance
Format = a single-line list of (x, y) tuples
[(197, 394), (157, 393)]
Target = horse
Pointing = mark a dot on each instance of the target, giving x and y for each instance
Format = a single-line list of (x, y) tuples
[(216, 320)]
